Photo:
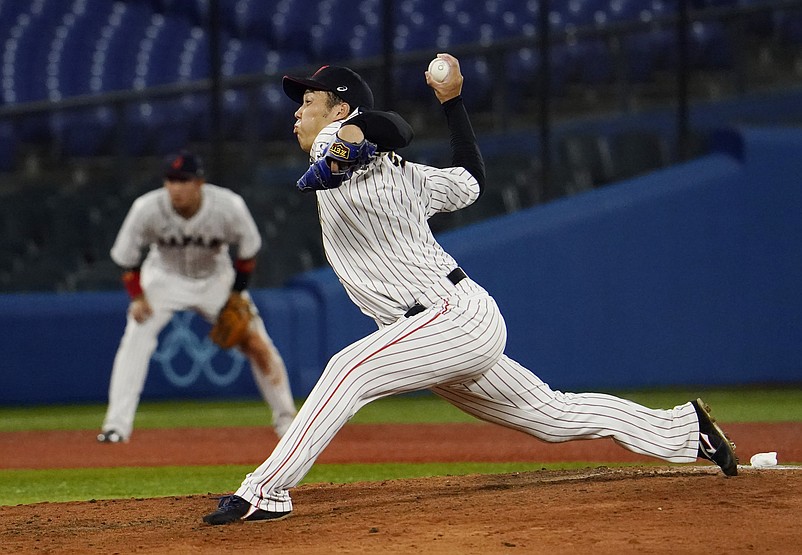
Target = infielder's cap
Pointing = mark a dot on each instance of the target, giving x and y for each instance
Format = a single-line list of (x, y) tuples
[(341, 81), (183, 165)]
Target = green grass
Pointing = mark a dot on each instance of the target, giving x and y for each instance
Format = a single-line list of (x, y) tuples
[(730, 405), (745, 404), (83, 484), (742, 404)]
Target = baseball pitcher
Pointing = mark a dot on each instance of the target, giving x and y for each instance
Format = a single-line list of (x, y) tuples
[(438, 328)]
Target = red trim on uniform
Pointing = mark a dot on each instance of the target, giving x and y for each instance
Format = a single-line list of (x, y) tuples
[(357, 365), (131, 282), (245, 265)]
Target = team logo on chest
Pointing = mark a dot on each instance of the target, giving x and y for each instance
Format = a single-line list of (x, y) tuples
[(190, 241)]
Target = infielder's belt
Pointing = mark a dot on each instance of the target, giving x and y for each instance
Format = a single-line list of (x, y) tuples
[(456, 276)]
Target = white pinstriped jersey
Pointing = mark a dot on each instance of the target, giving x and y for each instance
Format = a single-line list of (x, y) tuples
[(375, 229), (196, 247), (379, 244)]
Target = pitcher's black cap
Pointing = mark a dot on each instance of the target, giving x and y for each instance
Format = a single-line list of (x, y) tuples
[(342, 81)]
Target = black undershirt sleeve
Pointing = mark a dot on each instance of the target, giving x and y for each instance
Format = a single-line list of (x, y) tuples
[(388, 130), (464, 149)]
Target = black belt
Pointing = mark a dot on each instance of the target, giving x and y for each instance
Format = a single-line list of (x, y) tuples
[(455, 276)]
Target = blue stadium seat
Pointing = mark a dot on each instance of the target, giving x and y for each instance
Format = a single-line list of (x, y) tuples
[(280, 62), (414, 34), (701, 4), (476, 71), (193, 62), (576, 13), (71, 53), (290, 26), (157, 127), (461, 28), (277, 112), (159, 54), (27, 46), (625, 10), (232, 16), (366, 41), (508, 21), (248, 18), (114, 61), (404, 8), (195, 11), (10, 10), (243, 56), (85, 132), (330, 35)]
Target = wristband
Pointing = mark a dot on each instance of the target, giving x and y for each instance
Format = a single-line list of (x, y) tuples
[(244, 270), (130, 280)]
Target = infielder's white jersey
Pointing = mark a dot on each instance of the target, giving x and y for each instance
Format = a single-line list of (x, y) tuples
[(393, 260), (183, 246)]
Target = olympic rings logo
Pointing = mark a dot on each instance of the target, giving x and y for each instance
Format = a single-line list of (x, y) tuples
[(180, 337)]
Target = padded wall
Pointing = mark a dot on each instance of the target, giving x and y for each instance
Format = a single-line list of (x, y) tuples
[(687, 276)]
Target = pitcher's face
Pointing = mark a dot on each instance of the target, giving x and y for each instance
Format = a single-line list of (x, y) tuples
[(315, 113)]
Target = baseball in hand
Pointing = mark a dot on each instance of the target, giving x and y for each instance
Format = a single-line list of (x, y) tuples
[(438, 69)]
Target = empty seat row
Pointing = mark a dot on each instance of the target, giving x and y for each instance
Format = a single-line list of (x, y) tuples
[(57, 49)]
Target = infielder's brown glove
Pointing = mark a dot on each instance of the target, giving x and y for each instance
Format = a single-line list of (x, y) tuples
[(232, 324)]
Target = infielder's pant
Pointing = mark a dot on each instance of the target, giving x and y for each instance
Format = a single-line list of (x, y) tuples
[(132, 361), (130, 369)]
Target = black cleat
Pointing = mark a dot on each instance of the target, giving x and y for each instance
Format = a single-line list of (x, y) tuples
[(233, 508), (713, 444), (111, 436)]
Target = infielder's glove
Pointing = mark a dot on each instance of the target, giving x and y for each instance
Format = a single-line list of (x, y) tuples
[(231, 328), (349, 156)]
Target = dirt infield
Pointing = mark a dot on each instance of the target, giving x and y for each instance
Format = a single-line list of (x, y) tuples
[(654, 509), (355, 443)]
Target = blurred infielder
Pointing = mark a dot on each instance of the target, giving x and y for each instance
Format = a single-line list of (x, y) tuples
[(187, 227), (438, 329)]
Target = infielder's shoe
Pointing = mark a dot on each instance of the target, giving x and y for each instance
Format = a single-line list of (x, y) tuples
[(111, 436), (713, 444), (233, 508)]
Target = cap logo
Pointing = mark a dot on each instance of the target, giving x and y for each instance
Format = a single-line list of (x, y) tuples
[(340, 150), (342, 88), (178, 162)]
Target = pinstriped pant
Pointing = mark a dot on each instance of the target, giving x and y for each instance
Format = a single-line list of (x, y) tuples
[(456, 350)]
